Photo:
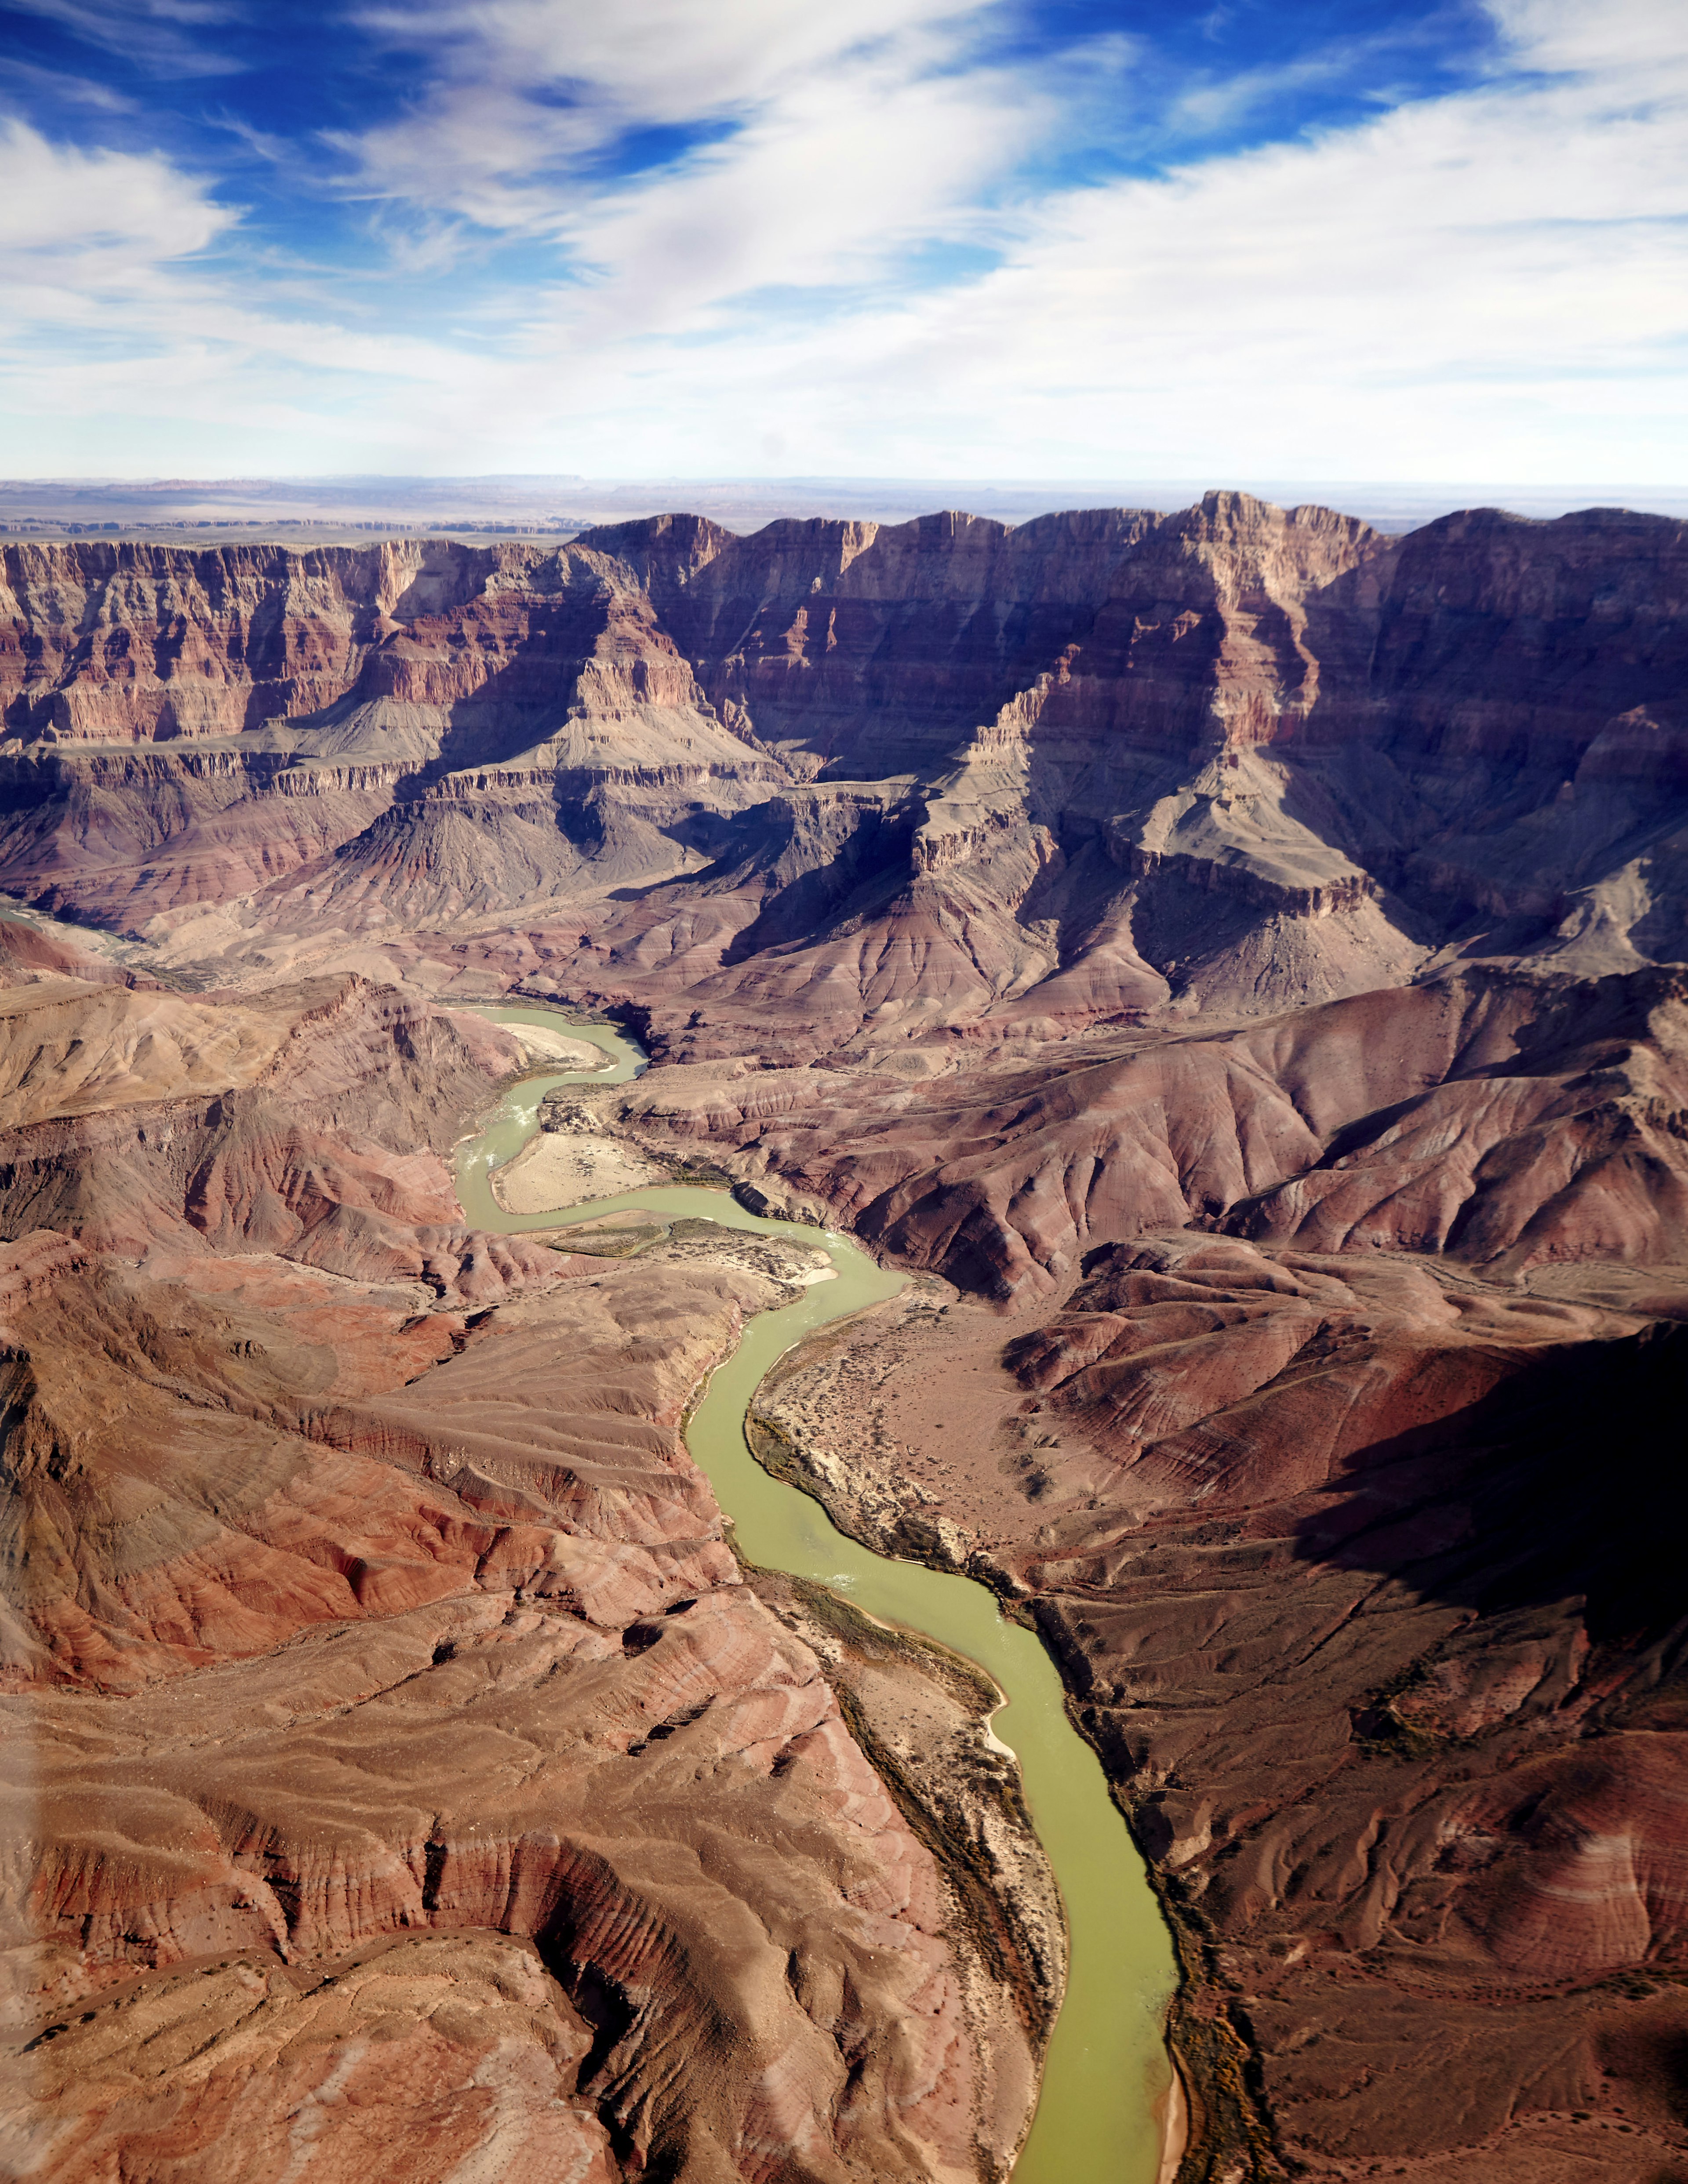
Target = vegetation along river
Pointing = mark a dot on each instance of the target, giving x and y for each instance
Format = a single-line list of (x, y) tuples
[(1106, 2073)]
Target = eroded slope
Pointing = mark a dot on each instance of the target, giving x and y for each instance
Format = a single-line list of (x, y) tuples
[(1242, 950), (1344, 1560), (862, 781), (343, 1612)]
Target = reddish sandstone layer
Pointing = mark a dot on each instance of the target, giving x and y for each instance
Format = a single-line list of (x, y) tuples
[(1507, 1119), (1237, 755), (525, 1693), (1366, 1586), (426, 2054), (144, 643), (313, 1122), (1274, 928), (343, 1610)]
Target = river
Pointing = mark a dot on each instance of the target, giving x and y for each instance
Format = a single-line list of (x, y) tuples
[(1106, 2073)]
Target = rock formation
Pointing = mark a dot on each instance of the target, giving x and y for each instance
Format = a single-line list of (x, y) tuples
[(1383, 1659), (394, 1753), (870, 780), (1233, 958), (1506, 1118)]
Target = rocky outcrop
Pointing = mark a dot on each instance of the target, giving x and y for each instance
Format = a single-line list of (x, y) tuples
[(312, 1124), (391, 1749), (430, 2052), (123, 643), (450, 1647), (1508, 1120), (36, 948), (1452, 1769), (128, 643), (1244, 948), (1249, 757), (1387, 1673), (873, 648)]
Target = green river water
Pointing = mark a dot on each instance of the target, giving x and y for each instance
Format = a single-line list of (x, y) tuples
[(1107, 2071)]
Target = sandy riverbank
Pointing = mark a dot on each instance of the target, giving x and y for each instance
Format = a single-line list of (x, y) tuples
[(539, 1043), (557, 1169)]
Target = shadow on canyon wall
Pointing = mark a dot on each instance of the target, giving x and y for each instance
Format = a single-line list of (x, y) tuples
[(1565, 1481)]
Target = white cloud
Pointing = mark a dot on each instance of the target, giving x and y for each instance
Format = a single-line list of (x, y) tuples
[(873, 123), (75, 222), (1493, 280), (29, 77), (647, 63), (119, 339), (830, 187), (1615, 38), (1488, 284)]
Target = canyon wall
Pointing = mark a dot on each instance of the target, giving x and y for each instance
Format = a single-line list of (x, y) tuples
[(1362, 1572), (1238, 757), (382, 1705), (1233, 959)]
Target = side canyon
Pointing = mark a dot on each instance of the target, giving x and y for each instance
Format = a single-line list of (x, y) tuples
[(1233, 962)]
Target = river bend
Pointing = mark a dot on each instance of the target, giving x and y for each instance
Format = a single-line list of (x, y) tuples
[(1106, 2072)]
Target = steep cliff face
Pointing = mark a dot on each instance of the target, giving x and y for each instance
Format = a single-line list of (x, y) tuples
[(130, 643), (123, 643), (317, 691), (1241, 756), (872, 649)]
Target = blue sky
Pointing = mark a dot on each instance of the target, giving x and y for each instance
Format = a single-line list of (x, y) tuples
[(1328, 238)]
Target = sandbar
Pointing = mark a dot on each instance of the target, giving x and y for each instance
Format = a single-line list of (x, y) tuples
[(560, 1169)]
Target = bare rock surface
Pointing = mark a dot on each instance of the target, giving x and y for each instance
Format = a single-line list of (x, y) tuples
[(1389, 1679), (1509, 1119), (1231, 958), (313, 1124), (922, 1716), (836, 778), (394, 1757), (421, 2055)]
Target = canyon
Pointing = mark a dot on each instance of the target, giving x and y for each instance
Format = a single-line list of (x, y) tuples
[(1233, 962)]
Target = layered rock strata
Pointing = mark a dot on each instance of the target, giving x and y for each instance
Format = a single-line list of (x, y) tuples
[(861, 781), (398, 1769), (1507, 1119), (1242, 950), (1387, 1676)]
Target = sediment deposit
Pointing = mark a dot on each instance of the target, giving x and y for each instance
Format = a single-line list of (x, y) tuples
[(1329, 1548)]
